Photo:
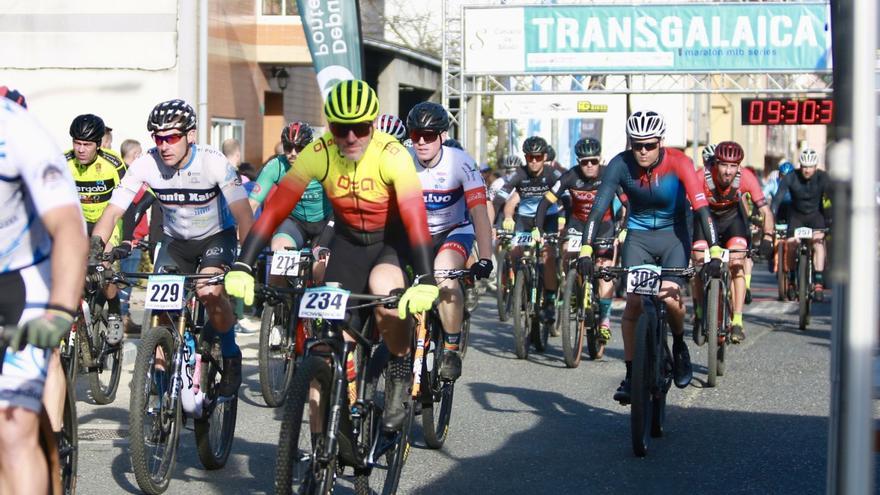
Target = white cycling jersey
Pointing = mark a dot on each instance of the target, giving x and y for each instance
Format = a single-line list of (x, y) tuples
[(450, 188), (195, 198), (34, 179)]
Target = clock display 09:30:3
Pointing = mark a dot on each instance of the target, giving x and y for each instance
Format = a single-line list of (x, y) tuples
[(787, 111)]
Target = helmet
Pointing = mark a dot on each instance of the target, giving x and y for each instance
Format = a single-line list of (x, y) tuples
[(551, 153), (172, 115), (296, 134), (645, 124), (392, 125), (512, 162), (709, 153), (351, 102), (408, 143), (535, 144), (786, 168), (428, 116), (13, 95), (729, 151), (452, 143), (809, 158), (587, 148), (88, 127)]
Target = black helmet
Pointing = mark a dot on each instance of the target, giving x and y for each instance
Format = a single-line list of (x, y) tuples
[(587, 148), (551, 153), (535, 145), (88, 127), (452, 143), (172, 114), (428, 116), (296, 135)]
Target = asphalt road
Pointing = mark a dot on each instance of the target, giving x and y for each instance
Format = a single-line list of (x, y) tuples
[(537, 427)]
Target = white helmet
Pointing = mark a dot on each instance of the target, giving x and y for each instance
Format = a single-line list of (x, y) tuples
[(809, 158), (708, 153), (645, 124), (392, 125)]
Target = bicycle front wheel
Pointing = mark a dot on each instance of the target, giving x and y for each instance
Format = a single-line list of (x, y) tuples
[(154, 417), (804, 297), (216, 431), (68, 444), (712, 322), (436, 396), (303, 430), (105, 374), (571, 326), (644, 379), (522, 315), (781, 282), (502, 289), (276, 356)]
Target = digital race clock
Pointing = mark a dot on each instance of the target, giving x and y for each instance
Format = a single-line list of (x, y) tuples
[(787, 111)]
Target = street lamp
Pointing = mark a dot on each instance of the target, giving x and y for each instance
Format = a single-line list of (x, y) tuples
[(282, 77)]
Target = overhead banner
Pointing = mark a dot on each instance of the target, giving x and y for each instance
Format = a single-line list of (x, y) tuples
[(333, 32), (709, 37)]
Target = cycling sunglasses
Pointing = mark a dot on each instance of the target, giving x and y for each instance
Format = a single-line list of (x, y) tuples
[(534, 157), (361, 129), (588, 161), (170, 139), (428, 136), (645, 146)]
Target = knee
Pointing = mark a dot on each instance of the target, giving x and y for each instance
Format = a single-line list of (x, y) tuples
[(210, 295), (449, 293)]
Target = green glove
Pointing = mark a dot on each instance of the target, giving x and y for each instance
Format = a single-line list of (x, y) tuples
[(45, 331), (536, 235), (508, 224), (621, 237), (560, 222), (416, 299), (240, 283)]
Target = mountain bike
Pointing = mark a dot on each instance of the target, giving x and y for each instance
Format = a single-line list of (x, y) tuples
[(504, 275), (333, 411), (528, 296), (781, 273), (177, 375), (281, 332), (804, 270), (652, 365)]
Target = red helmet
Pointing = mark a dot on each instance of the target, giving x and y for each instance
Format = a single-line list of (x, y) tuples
[(729, 152)]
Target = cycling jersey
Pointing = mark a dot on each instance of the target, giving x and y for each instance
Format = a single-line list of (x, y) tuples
[(496, 186), (450, 188), (34, 179), (531, 189), (369, 197), (582, 191), (806, 194), (195, 198), (725, 199), (657, 195), (312, 207), (95, 182)]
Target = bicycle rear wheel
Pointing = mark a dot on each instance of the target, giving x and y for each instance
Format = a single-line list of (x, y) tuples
[(436, 395), (105, 374), (571, 325), (713, 315), (502, 289), (644, 378), (803, 291), (276, 356), (296, 467), (154, 417), (215, 431), (522, 315)]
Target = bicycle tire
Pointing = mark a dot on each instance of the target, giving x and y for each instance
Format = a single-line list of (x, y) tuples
[(644, 378), (105, 393), (294, 470), (436, 395), (167, 432), (471, 297), (502, 290), (572, 328), (781, 283), (465, 337), (276, 362), (803, 291), (215, 432), (713, 296), (68, 446), (522, 317)]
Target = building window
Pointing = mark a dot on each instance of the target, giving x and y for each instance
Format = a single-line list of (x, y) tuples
[(223, 129), (278, 7)]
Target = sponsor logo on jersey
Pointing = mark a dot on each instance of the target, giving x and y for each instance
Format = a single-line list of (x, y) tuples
[(52, 174), (178, 197), (364, 185)]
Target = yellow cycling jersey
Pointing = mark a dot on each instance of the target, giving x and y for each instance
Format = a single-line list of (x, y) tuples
[(95, 182)]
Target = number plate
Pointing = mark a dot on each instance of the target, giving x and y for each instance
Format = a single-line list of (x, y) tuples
[(781, 226), (644, 280), (324, 302), (164, 292), (725, 256), (803, 233), (285, 262), (522, 239), (574, 244)]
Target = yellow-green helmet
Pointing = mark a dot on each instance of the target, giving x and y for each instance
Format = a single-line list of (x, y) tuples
[(351, 102)]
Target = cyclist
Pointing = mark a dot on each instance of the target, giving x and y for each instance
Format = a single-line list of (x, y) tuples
[(725, 183), (531, 183), (807, 187), (577, 189), (658, 182), (43, 250), (202, 202), (455, 199), (509, 165), (97, 171), (376, 211), (391, 124)]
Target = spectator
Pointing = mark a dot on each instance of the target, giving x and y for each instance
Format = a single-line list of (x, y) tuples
[(130, 150), (107, 140)]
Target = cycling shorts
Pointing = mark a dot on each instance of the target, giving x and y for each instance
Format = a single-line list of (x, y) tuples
[(813, 220), (460, 239), (731, 226), (576, 227), (216, 251), (526, 224), (664, 247), (25, 295), (299, 232)]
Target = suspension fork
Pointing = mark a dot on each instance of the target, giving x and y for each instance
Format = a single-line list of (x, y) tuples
[(337, 400)]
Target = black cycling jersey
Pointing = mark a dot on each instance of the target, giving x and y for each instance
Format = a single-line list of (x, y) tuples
[(806, 194), (531, 189), (583, 192)]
